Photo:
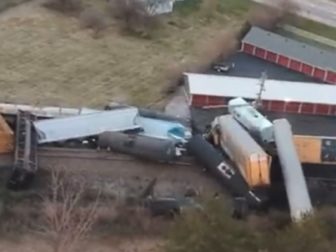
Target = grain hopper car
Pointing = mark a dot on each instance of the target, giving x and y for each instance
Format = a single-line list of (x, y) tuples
[(252, 161)]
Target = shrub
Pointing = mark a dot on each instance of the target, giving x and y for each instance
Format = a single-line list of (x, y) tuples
[(72, 7), (214, 230), (93, 19), (209, 8), (66, 216), (134, 16)]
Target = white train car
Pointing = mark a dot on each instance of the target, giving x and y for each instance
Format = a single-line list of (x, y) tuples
[(252, 120)]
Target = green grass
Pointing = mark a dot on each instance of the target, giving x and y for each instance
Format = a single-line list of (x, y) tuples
[(187, 7), (235, 7), (228, 7), (316, 27), (5, 4)]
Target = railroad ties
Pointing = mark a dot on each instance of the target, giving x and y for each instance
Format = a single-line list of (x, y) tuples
[(25, 157)]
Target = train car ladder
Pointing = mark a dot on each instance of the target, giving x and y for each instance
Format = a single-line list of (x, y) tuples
[(25, 157)]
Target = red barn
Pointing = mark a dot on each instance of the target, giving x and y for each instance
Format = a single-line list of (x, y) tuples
[(279, 96), (297, 56)]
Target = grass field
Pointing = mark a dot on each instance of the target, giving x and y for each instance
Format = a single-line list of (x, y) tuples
[(45, 57), (317, 28)]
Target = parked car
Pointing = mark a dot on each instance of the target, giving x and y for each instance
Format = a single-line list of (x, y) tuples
[(222, 67)]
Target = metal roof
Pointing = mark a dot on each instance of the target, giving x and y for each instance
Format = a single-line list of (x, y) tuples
[(60, 129), (226, 86), (248, 114), (293, 49)]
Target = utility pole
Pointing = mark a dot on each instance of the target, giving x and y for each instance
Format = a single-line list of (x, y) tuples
[(258, 102)]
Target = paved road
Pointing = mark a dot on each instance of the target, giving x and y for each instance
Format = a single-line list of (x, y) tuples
[(323, 11)]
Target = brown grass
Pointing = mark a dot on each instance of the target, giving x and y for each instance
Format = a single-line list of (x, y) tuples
[(134, 16), (213, 50), (64, 6), (48, 59), (209, 9)]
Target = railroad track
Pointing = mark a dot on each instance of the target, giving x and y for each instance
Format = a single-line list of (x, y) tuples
[(93, 154)]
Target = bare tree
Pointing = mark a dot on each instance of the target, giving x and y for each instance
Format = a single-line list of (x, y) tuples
[(136, 16), (67, 218), (93, 19)]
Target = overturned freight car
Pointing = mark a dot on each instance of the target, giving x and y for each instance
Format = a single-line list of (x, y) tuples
[(223, 170), (6, 136), (252, 161), (162, 150), (257, 124)]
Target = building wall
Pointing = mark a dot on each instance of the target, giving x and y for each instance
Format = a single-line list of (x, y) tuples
[(274, 106), (293, 64)]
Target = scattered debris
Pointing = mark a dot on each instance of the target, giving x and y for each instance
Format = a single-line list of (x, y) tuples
[(238, 147)]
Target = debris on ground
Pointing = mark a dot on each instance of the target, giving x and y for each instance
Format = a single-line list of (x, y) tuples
[(241, 146)]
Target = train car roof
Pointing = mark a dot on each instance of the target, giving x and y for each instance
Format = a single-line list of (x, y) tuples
[(250, 146)]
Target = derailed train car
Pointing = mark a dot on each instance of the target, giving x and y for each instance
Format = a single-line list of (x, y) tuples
[(162, 150), (252, 161), (252, 120), (223, 170), (316, 149)]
